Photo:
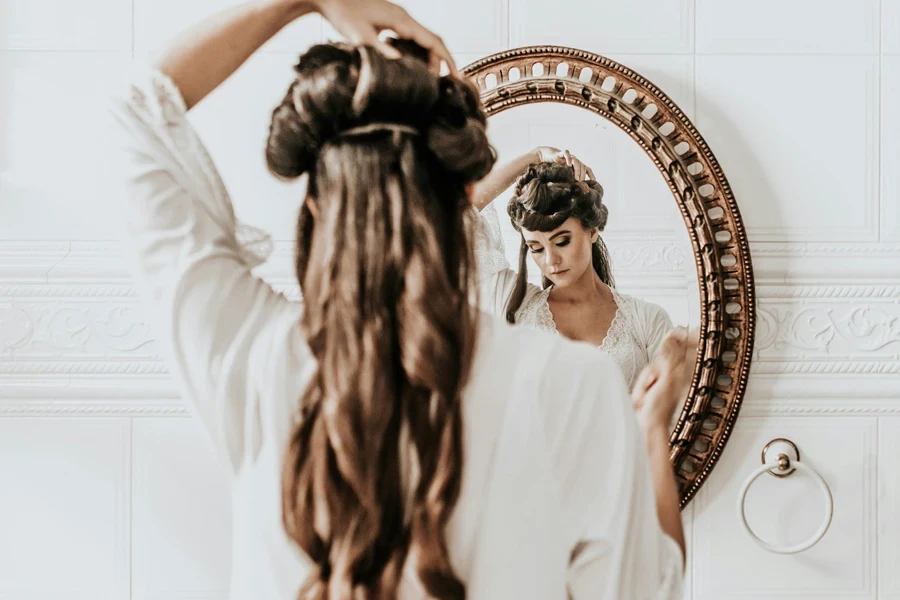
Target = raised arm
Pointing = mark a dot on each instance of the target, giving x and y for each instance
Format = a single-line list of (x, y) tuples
[(505, 174), (659, 389), (209, 312), (501, 177), (204, 56)]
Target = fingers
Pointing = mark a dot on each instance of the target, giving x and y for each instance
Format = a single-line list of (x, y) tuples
[(444, 53), (647, 377), (579, 169), (407, 27), (361, 22), (590, 174), (386, 49), (678, 336), (693, 337)]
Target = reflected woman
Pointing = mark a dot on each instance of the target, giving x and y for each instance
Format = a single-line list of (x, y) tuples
[(558, 209)]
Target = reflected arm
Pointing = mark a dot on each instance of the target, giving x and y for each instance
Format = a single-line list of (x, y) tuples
[(501, 177)]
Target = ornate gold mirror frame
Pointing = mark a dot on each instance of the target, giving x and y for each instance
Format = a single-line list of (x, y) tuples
[(721, 251)]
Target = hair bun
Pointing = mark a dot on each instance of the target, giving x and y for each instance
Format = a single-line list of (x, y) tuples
[(292, 148), (457, 135), (341, 87), (547, 194)]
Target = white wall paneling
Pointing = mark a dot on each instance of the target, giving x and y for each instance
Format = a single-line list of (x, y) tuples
[(100, 25), (65, 508), (890, 26), (798, 27), (890, 146), (888, 508), (50, 162), (605, 26), (181, 516), (805, 161), (113, 489)]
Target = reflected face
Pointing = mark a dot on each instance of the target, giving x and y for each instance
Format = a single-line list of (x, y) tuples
[(564, 254)]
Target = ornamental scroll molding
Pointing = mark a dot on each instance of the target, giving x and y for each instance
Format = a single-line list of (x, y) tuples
[(100, 329), (828, 330)]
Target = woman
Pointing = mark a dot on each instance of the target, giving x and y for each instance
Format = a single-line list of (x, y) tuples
[(558, 209), (384, 439)]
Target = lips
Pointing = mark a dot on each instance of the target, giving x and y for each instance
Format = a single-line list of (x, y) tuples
[(558, 273)]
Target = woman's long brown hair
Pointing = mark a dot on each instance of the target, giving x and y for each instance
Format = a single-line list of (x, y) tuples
[(373, 469)]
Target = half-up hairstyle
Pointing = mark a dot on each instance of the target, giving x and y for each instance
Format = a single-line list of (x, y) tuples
[(546, 196), (373, 469)]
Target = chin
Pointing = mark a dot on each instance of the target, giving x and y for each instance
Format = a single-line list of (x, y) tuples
[(560, 279)]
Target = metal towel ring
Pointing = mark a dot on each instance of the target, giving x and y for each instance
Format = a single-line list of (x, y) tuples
[(786, 460)]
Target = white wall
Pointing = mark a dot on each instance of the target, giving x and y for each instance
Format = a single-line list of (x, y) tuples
[(107, 489)]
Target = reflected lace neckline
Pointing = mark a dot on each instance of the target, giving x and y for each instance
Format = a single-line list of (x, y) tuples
[(613, 334)]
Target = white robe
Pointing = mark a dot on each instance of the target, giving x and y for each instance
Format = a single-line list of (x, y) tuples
[(636, 332), (556, 495)]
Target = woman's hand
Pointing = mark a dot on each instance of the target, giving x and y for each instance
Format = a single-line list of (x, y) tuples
[(361, 21), (551, 154), (663, 384)]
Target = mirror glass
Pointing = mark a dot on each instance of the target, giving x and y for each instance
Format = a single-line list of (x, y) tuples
[(651, 254)]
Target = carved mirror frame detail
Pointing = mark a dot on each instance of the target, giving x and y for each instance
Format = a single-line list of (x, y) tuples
[(722, 254)]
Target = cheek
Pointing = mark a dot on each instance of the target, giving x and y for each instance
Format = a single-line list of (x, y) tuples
[(538, 260), (580, 254)]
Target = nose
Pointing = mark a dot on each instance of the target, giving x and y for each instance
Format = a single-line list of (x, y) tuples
[(552, 259)]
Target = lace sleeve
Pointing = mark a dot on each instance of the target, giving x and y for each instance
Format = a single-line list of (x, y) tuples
[(489, 252), (496, 278), (656, 324)]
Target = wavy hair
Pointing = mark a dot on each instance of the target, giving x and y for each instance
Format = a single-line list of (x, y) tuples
[(373, 469)]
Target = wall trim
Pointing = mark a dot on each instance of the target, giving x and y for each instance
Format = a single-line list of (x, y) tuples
[(156, 395), (773, 262), (828, 339)]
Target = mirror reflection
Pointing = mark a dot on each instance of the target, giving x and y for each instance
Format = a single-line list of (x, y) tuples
[(579, 235)]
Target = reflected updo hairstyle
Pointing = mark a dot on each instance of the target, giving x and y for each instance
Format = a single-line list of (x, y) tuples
[(373, 468), (546, 196)]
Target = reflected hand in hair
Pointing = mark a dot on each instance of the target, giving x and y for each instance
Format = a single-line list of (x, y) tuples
[(664, 383), (551, 154)]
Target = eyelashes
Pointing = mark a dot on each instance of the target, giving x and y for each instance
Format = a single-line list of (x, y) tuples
[(562, 244)]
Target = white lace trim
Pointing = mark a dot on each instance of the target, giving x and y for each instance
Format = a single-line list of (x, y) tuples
[(618, 342), (621, 341), (618, 328), (539, 306), (488, 242), (614, 335)]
